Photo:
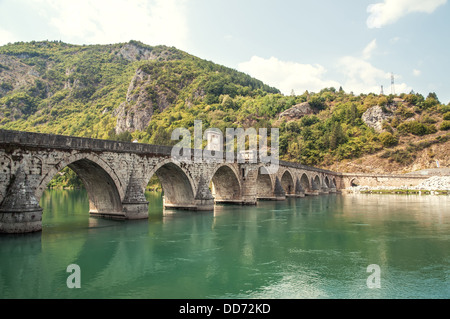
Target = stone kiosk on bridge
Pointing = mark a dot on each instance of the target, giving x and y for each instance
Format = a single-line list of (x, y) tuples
[(115, 175)]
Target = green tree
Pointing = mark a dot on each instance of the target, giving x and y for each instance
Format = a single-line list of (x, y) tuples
[(387, 139), (161, 137), (447, 116), (445, 126), (431, 101), (337, 136), (124, 137), (417, 128)]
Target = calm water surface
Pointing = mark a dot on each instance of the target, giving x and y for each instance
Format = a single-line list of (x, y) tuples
[(313, 247)]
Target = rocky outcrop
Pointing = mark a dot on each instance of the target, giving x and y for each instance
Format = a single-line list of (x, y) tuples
[(374, 117), (136, 112), (297, 111), (15, 75), (144, 97), (132, 52)]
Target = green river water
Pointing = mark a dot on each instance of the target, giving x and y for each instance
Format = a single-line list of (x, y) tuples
[(313, 247)]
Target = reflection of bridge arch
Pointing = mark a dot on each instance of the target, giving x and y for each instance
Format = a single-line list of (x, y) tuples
[(102, 185), (177, 185), (226, 185)]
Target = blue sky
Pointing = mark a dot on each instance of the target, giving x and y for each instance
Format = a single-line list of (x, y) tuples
[(292, 45)]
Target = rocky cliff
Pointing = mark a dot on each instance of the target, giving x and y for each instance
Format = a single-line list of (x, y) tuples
[(135, 113), (297, 111), (375, 116)]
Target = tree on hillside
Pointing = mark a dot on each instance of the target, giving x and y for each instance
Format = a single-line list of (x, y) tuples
[(337, 136)]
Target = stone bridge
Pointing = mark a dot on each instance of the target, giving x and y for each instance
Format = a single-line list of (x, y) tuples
[(115, 175)]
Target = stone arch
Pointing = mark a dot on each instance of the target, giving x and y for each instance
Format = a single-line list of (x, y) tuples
[(177, 185), (264, 183), (226, 185), (334, 182), (288, 182), (354, 182), (103, 186), (315, 182), (327, 182), (304, 181)]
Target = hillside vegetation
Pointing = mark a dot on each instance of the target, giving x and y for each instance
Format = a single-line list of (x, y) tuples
[(133, 91)]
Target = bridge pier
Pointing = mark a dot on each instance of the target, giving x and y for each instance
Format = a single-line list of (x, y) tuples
[(299, 191), (20, 211), (135, 210), (135, 205), (333, 187), (107, 215), (204, 201), (204, 204), (198, 205), (241, 202)]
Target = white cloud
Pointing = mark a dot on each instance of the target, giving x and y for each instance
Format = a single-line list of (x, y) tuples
[(6, 37), (389, 11), (417, 72), (360, 76), (394, 40), (111, 21), (287, 76), (368, 50), (354, 73)]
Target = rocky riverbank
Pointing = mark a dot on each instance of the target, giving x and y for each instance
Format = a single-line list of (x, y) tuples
[(433, 185)]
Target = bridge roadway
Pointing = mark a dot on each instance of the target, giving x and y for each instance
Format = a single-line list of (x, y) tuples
[(115, 175)]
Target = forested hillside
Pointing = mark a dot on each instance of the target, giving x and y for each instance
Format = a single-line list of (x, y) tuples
[(133, 91)]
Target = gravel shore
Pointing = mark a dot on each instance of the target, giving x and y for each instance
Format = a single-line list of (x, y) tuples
[(435, 183)]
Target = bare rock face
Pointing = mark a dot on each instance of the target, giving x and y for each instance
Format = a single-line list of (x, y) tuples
[(374, 117), (144, 97), (297, 111), (132, 53), (136, 112), (15, 75)]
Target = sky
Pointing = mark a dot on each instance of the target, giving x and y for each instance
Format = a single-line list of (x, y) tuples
[(293, 45)]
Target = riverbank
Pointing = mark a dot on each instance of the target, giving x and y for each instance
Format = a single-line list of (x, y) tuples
[(436, 185)]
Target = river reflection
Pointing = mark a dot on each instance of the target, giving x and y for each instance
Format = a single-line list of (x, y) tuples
[(313, 247)]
